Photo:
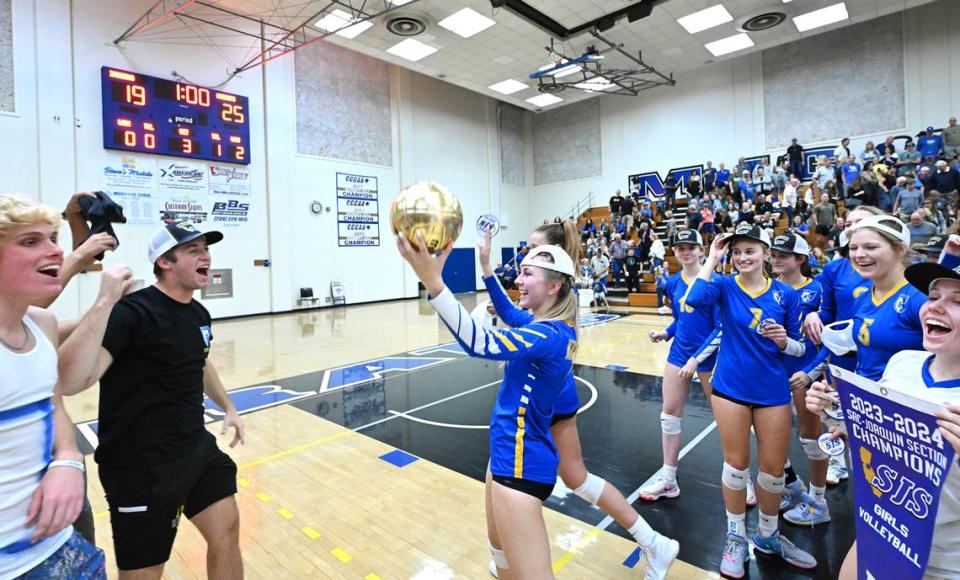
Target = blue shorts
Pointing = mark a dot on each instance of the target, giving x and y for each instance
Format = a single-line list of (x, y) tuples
[(567, 404), (76, 559), (678, 357)]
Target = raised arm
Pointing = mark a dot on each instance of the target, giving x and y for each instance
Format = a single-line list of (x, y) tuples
[(510, 313), (82, 358)]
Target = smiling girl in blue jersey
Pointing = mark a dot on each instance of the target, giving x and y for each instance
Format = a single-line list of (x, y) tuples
[(840, 282), (761, 328), (659, 550), (886, 315), (695, 333), (790, 260)]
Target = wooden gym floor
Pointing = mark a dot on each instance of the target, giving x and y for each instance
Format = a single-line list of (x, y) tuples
[(366, 446)]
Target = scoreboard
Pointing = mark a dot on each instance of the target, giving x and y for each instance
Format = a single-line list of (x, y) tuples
[(152, 115)]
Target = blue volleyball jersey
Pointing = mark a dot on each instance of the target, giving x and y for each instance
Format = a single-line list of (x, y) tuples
[(694, 330), (839, 283), (568, 401), (808, 295), (750, 367), (884, 326), (539, 359)]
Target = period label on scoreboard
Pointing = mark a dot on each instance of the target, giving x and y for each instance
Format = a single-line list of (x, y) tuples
[(153, 115), (358, 210)]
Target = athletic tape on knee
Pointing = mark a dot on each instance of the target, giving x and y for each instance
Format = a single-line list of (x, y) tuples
[(812, 449), (735, 479), (669, 424), (771, 483), (591, 489), (499, 557)]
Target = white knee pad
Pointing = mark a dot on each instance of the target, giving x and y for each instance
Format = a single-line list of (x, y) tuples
[(812, 449), (770, 483), (499, 556), (591, 489), (669, 424), (735, 479)]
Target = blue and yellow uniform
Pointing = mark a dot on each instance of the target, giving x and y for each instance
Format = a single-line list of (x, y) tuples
[(539, 359), (840, 285), (568, 401), (884, 326), (745, 352), (695, 331), (809, 297)]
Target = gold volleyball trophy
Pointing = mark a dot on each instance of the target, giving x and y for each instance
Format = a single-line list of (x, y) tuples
[(429, 208)]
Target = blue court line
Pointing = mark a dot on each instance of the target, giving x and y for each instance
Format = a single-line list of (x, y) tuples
[(616, 367), (399, 458), (633, 558)]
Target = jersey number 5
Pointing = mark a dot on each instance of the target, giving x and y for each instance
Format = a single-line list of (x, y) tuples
[(864, 335)]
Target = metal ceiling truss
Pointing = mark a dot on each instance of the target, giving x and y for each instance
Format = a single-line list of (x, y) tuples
[(628, 81), (276, 39), (636, 77)]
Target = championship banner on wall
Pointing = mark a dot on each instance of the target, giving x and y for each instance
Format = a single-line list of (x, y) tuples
[(358, 210), (900, 463)]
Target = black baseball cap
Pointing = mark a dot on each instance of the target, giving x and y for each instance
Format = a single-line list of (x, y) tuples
[(688, 237), (172, 235), (922, 276), (934, 245), (752, 232), (791, 244)]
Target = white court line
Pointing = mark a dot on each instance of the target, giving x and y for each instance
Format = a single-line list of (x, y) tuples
[(435, 423), (407, 415), (428, 405), (605, 522)]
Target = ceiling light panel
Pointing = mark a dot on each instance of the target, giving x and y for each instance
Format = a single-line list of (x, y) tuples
[(508, 87), (822, 17), (411, 49), (544, 100), (466, 22), (705, 19), (729, 44)]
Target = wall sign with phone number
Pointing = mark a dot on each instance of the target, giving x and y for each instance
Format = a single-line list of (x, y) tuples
[(153, 115)]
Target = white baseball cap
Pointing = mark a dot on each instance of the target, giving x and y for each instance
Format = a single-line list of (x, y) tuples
[(887, 224), (172, 235), (561, 260)]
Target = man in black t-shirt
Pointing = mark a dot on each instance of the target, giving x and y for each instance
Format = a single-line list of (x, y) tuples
[(156, 458), (615, 202), (795, 156)]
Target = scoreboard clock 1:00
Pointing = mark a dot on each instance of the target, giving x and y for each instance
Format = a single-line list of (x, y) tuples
[(152, 115)]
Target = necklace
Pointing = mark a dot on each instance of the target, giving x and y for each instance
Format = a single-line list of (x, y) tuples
[(25, 340)]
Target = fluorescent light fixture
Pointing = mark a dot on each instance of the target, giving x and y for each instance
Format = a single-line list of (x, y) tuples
[(400, 2), (561, 72), (508, 87), (705, 19), (729, 44), (411, 49), (340, 21), (466, 22), (821, 17), (544, 100)]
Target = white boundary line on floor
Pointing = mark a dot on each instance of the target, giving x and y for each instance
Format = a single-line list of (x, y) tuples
[(605, 522)]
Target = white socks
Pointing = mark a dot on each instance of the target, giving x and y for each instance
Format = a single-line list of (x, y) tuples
[(768, 524), (668, 473), (737, 524), (818, 493), (642, 532)]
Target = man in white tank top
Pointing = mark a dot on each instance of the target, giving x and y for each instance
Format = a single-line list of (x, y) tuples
[(41, 470)]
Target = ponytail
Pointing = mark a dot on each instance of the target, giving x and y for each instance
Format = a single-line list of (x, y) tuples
[(565, 235)]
